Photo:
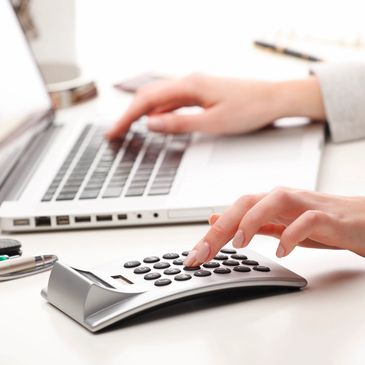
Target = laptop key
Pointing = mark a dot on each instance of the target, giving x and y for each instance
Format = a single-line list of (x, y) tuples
[(66, 196), (135, 192), (112, 192), (89, 194), (159, 191)]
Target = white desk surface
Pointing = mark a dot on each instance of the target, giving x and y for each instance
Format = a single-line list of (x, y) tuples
[(323, 324)]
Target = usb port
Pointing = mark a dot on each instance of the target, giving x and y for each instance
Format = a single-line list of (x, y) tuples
[(104, 218), (83, 219), (62, 220), (122, 217), (21, 222), (42, 221)]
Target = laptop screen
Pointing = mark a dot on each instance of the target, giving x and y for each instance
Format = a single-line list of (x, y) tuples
[(24, 100)]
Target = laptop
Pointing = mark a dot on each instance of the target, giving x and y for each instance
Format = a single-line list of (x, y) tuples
[(56, 176)]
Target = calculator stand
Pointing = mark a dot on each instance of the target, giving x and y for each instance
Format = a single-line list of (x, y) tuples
[(80, 297)]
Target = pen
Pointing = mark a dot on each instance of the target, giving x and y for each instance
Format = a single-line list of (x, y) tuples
[(26, 264), (286, 51)]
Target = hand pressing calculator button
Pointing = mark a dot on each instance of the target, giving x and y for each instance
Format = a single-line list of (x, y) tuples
[(118, 290)]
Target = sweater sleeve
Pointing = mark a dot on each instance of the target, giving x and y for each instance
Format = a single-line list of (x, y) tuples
[(343, 92)]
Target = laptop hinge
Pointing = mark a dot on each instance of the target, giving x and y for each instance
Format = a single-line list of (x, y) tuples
[(26, 165)]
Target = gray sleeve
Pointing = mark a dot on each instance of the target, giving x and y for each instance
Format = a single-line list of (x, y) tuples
[(343, 91)]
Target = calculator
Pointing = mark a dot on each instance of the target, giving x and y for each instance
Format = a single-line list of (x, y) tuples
[(124, 288)]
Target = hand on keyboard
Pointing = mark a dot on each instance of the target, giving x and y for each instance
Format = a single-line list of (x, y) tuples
[(230, 105), (296, 217)]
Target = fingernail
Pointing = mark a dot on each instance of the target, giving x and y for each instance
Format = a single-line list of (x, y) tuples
[(190, 258), (238, 239), (280, 251), (156, 124)]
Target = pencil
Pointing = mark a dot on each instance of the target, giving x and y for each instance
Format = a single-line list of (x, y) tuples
[(286, 51)]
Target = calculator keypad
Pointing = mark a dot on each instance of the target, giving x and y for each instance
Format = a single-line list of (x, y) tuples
[(225, 262)]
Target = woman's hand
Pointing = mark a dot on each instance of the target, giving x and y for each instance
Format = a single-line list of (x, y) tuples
[(295, 217), (229, 105)]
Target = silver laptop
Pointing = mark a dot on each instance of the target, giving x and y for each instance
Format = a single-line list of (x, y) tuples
[(56, 176)]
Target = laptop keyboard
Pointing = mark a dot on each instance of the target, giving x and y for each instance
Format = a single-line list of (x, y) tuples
[(138, 164)]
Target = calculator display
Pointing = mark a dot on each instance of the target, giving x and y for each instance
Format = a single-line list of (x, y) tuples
[(121, 279)]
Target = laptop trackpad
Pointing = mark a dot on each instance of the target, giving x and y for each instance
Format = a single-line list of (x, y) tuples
[(281, 145)]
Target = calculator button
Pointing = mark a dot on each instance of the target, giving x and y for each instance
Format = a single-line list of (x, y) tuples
[(152, 276), (202, 273), (178, 262), (211, 264), (162, 282), (221, 257), (151, 259), (161, 265), (222, 270), (261, 268), (228, 251), (182, 277), (231, 262), (192, 268), (142, 270), (238, 256), (185, 253), (131, 264), (172, 271), (250, 262), (170, 256), (241, 269)]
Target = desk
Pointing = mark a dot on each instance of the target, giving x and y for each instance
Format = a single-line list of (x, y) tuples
[(323, 324)]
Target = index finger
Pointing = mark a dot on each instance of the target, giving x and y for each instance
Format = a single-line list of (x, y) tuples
[(221, 231), (151, 97)]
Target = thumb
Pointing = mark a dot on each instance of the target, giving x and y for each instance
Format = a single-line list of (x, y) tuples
[(177, 123)]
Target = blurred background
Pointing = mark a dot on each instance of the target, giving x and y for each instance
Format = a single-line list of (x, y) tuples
[(210, 35)]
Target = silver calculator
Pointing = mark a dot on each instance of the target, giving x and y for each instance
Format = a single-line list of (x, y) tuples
[(113, 292)]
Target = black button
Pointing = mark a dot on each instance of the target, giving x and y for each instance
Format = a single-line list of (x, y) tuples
[(239, 257), (131, 264), (250, 262), (221, 257), (178, 262), (170, 256), (185, 253), (191, 268), (162, 282), (172, 271), (261, 268), (222, 270), (161, 265), (242, 269), (231, 263), (202, 273), (151, 259), (182, 277), (141, 270), (228, 251), (152, 276), (211, 264)]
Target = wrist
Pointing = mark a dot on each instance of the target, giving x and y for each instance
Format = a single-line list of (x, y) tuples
[(298, 98)]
